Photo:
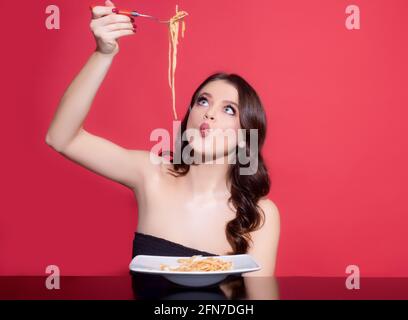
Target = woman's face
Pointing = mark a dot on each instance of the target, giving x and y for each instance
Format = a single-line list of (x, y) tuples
[(212, 127)]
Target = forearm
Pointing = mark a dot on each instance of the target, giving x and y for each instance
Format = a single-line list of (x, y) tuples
[(77, 100)]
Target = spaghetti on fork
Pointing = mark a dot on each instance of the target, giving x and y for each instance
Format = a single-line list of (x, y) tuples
[(173, 43)]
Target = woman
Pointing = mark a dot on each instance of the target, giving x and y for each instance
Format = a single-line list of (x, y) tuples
[(184, 208)]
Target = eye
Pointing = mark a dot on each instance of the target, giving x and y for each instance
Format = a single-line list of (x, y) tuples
[(201, 99), (230, 110)]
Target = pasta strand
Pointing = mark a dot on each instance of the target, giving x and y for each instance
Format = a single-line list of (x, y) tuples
[(173, 43)]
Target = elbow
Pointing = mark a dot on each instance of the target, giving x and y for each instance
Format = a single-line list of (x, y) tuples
[(59, 144), (48, 139), (49, 142)]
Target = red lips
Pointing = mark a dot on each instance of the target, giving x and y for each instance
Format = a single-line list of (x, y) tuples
[(204, 126), (204, 129)]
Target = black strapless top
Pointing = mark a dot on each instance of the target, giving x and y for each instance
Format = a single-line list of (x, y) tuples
[(152, 286), (151, 245)]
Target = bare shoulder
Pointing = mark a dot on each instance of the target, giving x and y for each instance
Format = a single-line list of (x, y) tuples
[(271, 211), (154, 166), (265, 240)]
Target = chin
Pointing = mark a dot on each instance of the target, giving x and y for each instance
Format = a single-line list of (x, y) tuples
[(203, 155)]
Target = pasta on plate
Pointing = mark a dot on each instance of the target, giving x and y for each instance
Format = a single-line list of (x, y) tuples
[(206, 264)]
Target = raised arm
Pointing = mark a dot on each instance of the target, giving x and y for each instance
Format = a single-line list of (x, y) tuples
[(66, 133)]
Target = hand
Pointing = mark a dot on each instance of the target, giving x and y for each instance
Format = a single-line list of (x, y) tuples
[(107, 27)]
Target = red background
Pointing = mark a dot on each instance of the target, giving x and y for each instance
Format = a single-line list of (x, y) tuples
[(336, 147)]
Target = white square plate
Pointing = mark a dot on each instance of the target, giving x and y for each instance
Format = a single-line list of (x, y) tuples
[(241, 263)]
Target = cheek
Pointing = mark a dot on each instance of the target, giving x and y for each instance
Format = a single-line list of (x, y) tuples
[(191, 120), (234, 137), (230, 123), (194, 117), (229, 127)]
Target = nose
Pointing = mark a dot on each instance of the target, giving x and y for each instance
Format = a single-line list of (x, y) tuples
[(209, 115)]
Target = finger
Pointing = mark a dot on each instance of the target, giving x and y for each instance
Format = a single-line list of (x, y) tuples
[(109, 3), (120, 33), (113, 18), (100, 11), (120, 26)]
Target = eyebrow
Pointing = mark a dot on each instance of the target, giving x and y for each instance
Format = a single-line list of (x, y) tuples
[(228, 101)]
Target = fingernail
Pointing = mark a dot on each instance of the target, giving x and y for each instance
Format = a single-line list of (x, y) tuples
[(134, 25), (132, 19), (115, 10)]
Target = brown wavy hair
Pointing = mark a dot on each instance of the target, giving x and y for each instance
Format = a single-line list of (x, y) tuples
[(246, 190)]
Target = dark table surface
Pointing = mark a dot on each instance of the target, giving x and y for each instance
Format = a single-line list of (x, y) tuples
[(155, 287)]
